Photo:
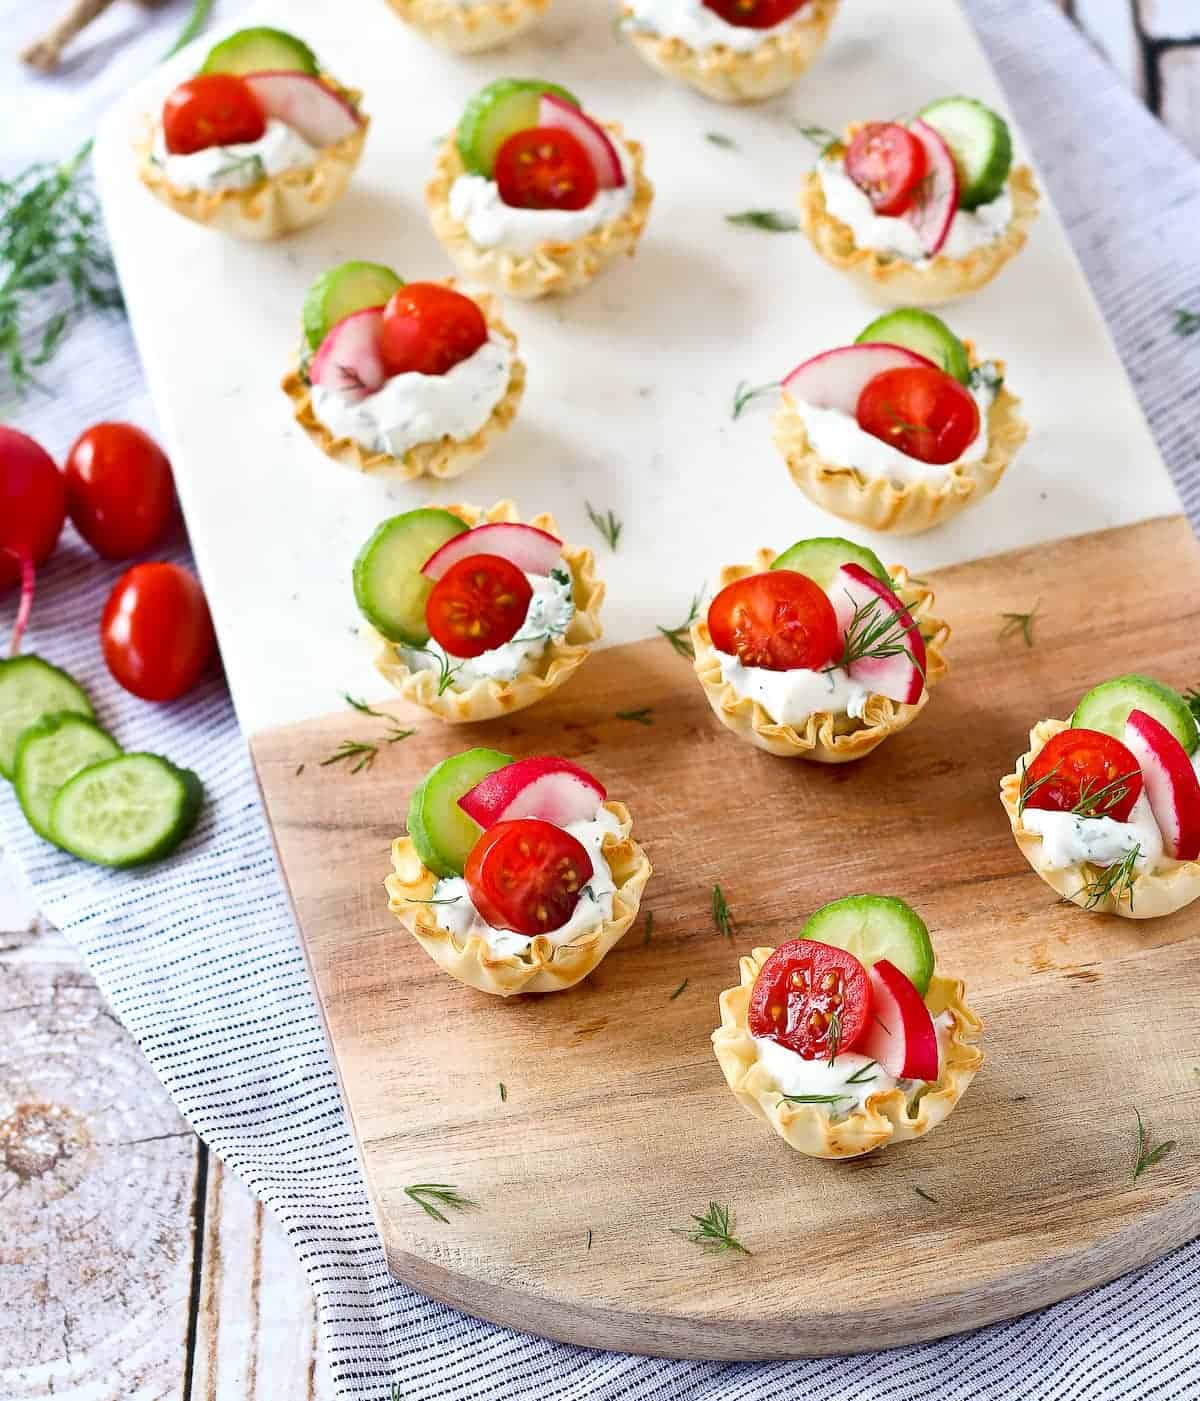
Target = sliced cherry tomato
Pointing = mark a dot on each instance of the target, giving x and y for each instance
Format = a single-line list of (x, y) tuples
[(119, 490), (922, 412), (754, 14), (812, 998), (156, 631), (214, 109), (780, 621), (545, 168), (478, 603), (526, 875), (1084, 771), (887, 163), (427, 329)]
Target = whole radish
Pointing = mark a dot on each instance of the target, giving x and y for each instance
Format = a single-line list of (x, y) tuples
[(33, 506)]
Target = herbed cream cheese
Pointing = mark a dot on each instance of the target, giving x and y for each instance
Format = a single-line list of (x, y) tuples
[(1071, 840), (790, 697), (693, 24), (235, 167)]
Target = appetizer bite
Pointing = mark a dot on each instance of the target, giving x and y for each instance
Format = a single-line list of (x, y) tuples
[(534, 197), (260, 142), (470, 26), (901, 430), (1106, 806), (845, 1038), (730, 50), (820, 652), (515, 876), (474, 614), (403, 379), (923, 213)]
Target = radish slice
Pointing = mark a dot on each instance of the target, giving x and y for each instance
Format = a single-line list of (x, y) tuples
[(305, 104), (349, 360), (533, 551), (932, 211), (836, 378), (900, 677), (553, 789), (554, 112), (1171, 784), (901, 1037)]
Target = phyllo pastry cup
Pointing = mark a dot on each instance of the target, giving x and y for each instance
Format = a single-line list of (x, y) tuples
[(472, 28), (542, 966), (488, 698), (825, 738), (890, 1116)]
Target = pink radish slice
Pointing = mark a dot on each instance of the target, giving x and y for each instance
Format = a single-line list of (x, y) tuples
[(305, 104), (554, 112), (900, 677), (553, 789), (932, 211), (836, 378), (1171, 784), (348, 359), (901, 1036), (533, 551)]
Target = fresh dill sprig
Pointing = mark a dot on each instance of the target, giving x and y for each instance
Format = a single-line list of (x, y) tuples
[(649, 926), (876, 632), (812, 1099), (1187, 323), (679, 637), (920, 1191), (834, 1037), (1192, 696), (425, 1194), (678, 990), (251, 165), (718, 138), (361, 706), (299, 770), (446, 672), (820, 136), (607, 524), (589, 1239), (1115, 880), (360, 751), (1028, 789), (720, 912), (1147, 1156), (713, 1231), (768, 220), (746, 393), (503, 1093), (445, 900), (645, 716), (1095, 801), (860, 1076), (1019, 623), (194, 24)]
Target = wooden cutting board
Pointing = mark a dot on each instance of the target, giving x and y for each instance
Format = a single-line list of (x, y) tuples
[(617, 1123)]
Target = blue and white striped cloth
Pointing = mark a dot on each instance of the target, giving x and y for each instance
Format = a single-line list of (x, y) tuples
[(199, 957)]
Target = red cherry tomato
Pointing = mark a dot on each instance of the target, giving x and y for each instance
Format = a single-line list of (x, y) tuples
[(812, 998), (33, 506), (427, 329), (545, 168), (780, 620), (526, 875), (887, 163), (213, 109), (754, 14), (156, 631), (922, 412), (1084, 771), (478, 603), (119, 489)]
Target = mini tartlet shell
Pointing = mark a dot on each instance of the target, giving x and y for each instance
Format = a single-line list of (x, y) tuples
[(825, 738), (281, 204), (876, 503), (726, 75), (553, 269), (886, 1117), (1148, 894), (445, 458), (542, 966), (892, 281), (487, 699), (469, 29)]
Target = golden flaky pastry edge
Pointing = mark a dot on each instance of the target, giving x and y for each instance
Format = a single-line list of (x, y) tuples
[(470, 29)]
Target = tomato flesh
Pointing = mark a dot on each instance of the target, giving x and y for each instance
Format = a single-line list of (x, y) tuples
[(887, 163), (156, 631), (545, 168), (754, 14), (527, 875), (427, 329), (922, 412), (119, 490), (780, 621), (213, 109), (812, 998), (1084, 771), (478, 603)]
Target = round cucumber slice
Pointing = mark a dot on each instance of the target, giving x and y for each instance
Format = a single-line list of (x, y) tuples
[(872, 927), (125, 811), (923, 332), (441, 832), (341, 292), (261, 50), (50, 752), (821, 558), (980, 143), (29, 689), (497, 112), (1106, 707), (389, 588)]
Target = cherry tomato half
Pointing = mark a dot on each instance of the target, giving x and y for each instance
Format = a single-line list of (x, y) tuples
[(1085, 771), (213, 109), (478, 603), (427, 329), (119, 490), (887, 163), (526, 875), (754, 14), (812, 998), (922, 412), (780, 621), (545, 168), (156, 632)]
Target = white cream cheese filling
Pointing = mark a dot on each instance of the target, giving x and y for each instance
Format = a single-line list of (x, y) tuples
[(693, 24), (238, 166), (790, 697)]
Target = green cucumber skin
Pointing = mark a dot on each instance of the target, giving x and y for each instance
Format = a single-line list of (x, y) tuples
[(261, 50), (189, 798), (63, 692), (980, 183), (923, 332), (916, 960), (319, 317), (99, 744), (445, 852), (815, 558), (411, 630), (1106, 708), (475, 138)]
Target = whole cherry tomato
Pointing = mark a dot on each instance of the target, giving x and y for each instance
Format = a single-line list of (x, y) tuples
[(1084, 771), (478, 603), (780, 620), (754, 14), (922, 412), (156, 631), (213, 109), (527, 875), (812, 998), (887, 163), (545, 168), (119, 490), (428, 329)]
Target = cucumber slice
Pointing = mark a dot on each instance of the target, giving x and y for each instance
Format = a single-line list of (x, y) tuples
[(441, 832), (1106, 707), (497, 112), (923, 332), (389, 588), (51, 751), (342, 291), (29, 689), (821, 558), (980, 143), (261, 50), (125, 811), (872, 927)]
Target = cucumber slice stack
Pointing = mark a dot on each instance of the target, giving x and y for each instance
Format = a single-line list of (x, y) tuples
[(389, 588), (51, 751), (1106, 707), (29, 689), (980, 143), (822, 557), (923, 332), (872, 927), (497, 112)]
